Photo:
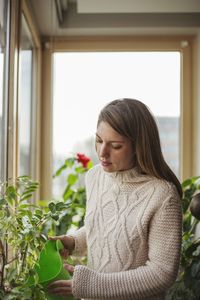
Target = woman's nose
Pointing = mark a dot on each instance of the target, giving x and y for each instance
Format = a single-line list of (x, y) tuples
[(104, 151)]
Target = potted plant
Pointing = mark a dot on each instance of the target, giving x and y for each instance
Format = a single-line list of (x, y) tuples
[(24, 227), (22, 238), (187, 286)]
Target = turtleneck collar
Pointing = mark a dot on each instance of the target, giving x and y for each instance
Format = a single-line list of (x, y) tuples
[(128, 176)]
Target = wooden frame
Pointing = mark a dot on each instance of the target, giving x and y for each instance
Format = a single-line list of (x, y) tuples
[(17, 9), (36, 94), (196, 106), (46, 123), (183, 44), (12, 87), (36, 108), (5, 103)]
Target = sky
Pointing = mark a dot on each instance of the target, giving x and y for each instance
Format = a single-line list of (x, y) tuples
[(84, 82)]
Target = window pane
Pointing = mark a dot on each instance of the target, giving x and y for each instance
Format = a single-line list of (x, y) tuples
[(85, 82), (3, 86), (25, 100)]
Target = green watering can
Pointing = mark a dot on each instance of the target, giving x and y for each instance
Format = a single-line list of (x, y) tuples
[(50, 268)]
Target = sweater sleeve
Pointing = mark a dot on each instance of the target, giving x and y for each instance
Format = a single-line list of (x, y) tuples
[(80, 242), (154, 277)]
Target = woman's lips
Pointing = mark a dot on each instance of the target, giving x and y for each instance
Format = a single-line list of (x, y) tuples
[(105, 164)]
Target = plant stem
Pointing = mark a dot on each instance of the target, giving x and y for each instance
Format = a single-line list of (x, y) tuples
[(24, 258), (195, 222), (2, 253), (13, 259)]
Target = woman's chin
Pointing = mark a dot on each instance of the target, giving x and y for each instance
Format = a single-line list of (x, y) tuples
[(107, 167)]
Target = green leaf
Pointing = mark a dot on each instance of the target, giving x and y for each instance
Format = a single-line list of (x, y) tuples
[(25, 205), (190, 181), (55, 217), (195, 270), (29, 190), (2, 201), (52, 207), (61, 205), (67, 193), (34, 184), (197, 251), (39, 212), (72, 179), (190, 192), (43, 203), (23, 177), (11, 195), (25, 212), (36, 217), (43, 237), (186, 183), (197, 288), (60, 170), (2, 214), (26, 196), (89, 165), (70, 162), (80, 170)]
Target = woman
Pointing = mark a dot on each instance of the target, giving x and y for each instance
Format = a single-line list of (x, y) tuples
[(133, 222)]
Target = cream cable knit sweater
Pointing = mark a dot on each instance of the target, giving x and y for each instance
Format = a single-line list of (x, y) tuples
[(132, 235)]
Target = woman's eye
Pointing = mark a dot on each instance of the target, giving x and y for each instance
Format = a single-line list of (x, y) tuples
[(116, 147), (98, 141)]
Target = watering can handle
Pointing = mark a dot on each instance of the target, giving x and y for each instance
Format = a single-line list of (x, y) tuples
[(59, 245)]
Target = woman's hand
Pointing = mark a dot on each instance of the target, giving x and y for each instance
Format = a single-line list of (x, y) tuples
[(68, 243), (62, 287)]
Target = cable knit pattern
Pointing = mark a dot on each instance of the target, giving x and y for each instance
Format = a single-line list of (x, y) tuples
[(132, 230)]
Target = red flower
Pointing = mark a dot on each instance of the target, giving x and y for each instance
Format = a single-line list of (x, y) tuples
[(84, 160)]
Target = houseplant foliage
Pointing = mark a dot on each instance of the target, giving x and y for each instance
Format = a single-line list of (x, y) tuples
[(24, 226), (21, 238), (73, 194), (187, 286)]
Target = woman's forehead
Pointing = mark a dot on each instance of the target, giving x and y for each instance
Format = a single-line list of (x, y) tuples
[(104, 130)]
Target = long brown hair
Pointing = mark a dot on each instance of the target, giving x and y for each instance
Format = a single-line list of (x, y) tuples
[(133, 119)]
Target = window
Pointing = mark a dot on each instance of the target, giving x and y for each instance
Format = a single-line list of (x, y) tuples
[(25, 99), (4, 10), (85, 81)]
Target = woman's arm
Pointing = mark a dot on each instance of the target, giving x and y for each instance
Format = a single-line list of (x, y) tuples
[(73, 244), (80, 242), (155, 277)]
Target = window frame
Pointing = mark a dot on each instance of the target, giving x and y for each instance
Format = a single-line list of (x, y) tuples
[(182, 44), (18, 8), (36, 92), (4, 157)]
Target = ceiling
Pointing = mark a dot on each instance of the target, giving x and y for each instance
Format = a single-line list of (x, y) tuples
[(116, 17)]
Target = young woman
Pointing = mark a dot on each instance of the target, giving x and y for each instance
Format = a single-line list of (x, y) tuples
[(133, 222)]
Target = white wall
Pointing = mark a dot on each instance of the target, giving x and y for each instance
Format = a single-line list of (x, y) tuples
[(135, 6)]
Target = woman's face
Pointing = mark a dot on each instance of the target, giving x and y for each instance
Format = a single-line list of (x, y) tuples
[(114, 150)]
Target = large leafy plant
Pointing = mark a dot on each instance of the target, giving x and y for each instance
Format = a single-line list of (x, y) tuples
[(187, 286), (24, 226), (21, 237)]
